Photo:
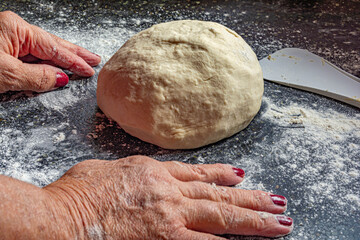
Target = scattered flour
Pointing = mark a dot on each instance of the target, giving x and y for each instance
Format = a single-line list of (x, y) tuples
[(59, 137), (319, 151), (328, 136), (330, 121)]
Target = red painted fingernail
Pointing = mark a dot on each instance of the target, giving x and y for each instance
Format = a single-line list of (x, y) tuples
[(61, 79), (278, 199), (96, 54), (239, 172), (284, 220)]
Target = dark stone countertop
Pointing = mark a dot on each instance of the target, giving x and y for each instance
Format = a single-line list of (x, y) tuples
[(315, 162)]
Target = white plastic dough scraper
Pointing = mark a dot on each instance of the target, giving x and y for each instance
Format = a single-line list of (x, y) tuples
[(301, 69)]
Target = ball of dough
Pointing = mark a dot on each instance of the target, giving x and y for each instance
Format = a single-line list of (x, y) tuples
[(182, 84)]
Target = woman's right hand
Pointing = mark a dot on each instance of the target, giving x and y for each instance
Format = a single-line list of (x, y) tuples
[(21, 40), (141, 198)]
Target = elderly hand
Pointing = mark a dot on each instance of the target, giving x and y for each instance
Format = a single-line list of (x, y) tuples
[(141, 198), (22, 43)]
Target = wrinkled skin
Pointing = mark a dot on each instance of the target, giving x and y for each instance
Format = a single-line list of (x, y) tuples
[(141, 198), (131, 198), (23, 44)]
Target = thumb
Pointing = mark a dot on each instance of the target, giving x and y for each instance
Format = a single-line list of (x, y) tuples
[(16, 76)]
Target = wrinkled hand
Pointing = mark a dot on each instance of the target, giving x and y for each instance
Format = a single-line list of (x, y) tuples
[(141, 198), (23, 44)]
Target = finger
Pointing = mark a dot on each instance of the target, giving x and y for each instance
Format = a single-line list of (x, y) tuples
[(221, 174), (251, 199), (45, 47), (189, 234), (222, 218), (90, 58), (16, 76)]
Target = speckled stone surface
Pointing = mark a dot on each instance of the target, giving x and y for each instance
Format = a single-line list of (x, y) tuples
[(43, 135)]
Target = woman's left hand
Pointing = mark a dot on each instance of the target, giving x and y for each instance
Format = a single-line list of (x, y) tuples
[(23, 44)]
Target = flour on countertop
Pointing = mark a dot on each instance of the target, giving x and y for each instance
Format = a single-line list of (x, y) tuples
[(330, 121), (306, 133), (23, 151), (327, 136)]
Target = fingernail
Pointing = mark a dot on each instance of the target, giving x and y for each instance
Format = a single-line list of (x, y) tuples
[(239, 172), (61, 79), (278, 199), (96, 54), (284, 220)]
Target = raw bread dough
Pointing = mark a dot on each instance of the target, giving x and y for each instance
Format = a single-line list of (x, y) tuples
[(182, 84)]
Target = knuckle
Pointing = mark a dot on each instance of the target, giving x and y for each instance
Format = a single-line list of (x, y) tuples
[(50, 50), (177, 164), (53, 49), (252, 199), (216, 173), (152, 178), (149, 176), (219, 172), (226, 216), (150, 170), (258, 224), (228, 196), (43, 83), (257, 199), (223, 195), (198, 171), (220, 166)]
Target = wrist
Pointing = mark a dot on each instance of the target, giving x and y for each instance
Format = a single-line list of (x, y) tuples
[(71, 210), (29, 212)]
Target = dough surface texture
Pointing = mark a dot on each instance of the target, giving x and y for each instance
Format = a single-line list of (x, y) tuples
[(182, 84)]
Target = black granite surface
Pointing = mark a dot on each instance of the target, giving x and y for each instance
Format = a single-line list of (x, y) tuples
[(330, 29)]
